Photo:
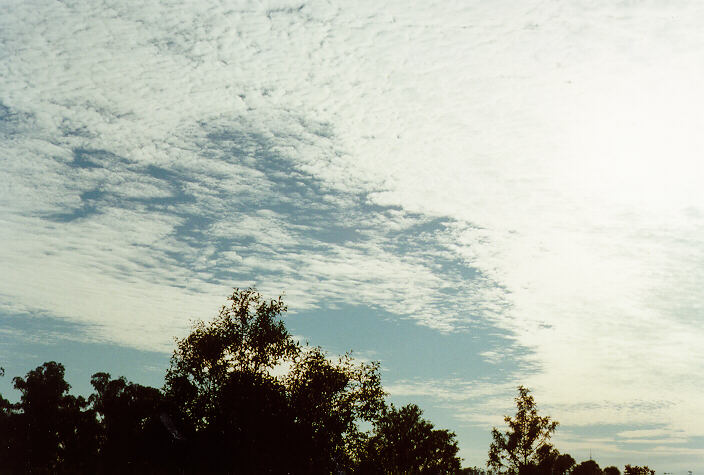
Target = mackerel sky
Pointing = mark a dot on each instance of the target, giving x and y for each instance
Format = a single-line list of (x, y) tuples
[(477, 194)]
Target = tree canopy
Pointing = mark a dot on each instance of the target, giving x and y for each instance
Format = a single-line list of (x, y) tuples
[(48, 430), (247, 388), (133, 435), (638, 470), (241, 395), (588, 467), (562, 464), (524, 447), (403, 442)]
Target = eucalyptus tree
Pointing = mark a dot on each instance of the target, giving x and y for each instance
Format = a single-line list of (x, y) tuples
[(256, 401)]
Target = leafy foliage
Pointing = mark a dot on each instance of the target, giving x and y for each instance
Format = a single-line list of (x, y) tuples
[(132, 436), (328, 399), (588, 467), (246, 338), (242, 396), (224, 377), (637, 470), (525, 445), (550, 460), (562, 464), (403, 442), (48, 430)]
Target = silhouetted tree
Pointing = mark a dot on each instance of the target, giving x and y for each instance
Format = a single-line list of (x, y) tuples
[(562, 464), (637, 470), (10, 460), (588, 467), (403, 442), (134, 436), (612, 471), (240, 396), (328, 399), (246, 337), (48, 430), (522, 448), (51, 431), (234, 413), (550, 460), (239, 416)]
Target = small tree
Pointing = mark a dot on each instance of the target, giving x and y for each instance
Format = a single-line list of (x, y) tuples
[(612, 471), (522, 448)]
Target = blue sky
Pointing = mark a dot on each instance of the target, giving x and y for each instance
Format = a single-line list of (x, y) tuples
[(477, 194)]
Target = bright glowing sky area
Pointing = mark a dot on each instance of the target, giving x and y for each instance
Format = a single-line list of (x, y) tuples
[(476, 194)]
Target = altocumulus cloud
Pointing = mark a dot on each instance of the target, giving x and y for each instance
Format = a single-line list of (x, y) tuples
[(163, 155), (453, 162)]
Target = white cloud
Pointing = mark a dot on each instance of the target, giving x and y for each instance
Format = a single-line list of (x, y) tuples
[(559, 141)]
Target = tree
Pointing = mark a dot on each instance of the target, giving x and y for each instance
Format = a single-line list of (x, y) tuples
[(551, 461), (637, 470), (133, 436), (403, 442), (10, 460), (328, 398), (240, 396), (521, 448), (612, 471), (562, 465), (48, 430), (246, 337), (240, 415), (233, 412), (588, 467)]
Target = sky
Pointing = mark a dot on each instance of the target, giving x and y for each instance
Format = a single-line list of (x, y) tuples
[(476, 194)]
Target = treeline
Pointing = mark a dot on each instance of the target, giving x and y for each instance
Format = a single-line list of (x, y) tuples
[(240, 396)]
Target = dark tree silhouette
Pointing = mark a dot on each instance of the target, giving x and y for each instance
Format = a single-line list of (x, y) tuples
[(550, 460), (562, 464), (48, 430), (234, 412), (588, 467), (328, 399), (134, 436), (245, 338), (522, 448), (403, 442), (612, 471), (472, 471), (241, 417), (12, 436), (240, 396), (637, 470)]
